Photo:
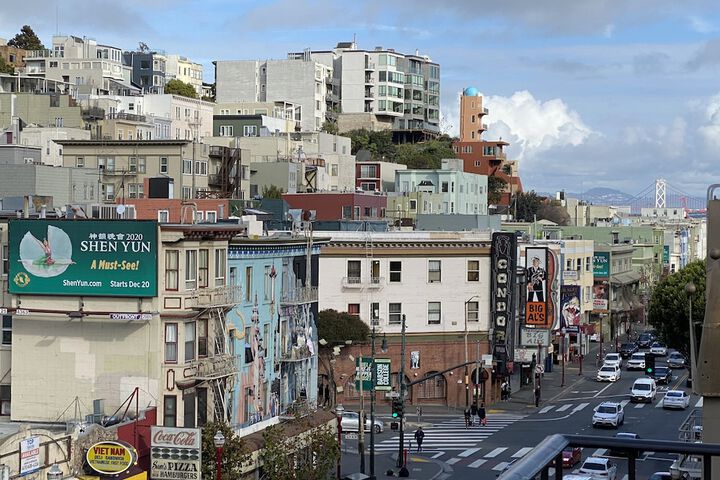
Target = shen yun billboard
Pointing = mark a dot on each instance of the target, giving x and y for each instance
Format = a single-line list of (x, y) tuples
[(83, 257)]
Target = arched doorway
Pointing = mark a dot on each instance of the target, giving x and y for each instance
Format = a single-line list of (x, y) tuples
[(434, 388)]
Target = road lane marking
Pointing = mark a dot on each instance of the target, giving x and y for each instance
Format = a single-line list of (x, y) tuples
[(624, 402), (599, 452), (468, 452), (522, 452), (438, 455), (659, 404), (564, 407), (453, 461), (640, 405), (608, 386), (495, 452), (699, 403), (546, 409), (477, 463), (500, 466), (580, 407)]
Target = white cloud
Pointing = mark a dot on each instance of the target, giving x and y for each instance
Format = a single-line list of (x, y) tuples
[(701, 25)]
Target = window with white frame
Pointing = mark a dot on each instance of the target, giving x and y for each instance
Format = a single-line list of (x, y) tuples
[(211, 216), (203, 267), (171, 342), (375, 313), (163, 216), (434, 313), (434, 271), (472, 311), (587, 264), (187, 167), (163, 164), (108, 191), (353, 271), (249, 130), (136, 190), (7, 329), (395, 271), (201, 168), (190, 269), (473, 270), (186, 193), (80, 162), (220, 266), (190, 332), (226, 130), (394, 313)]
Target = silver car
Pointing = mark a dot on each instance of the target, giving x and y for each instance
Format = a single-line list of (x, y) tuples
[(351, 422)]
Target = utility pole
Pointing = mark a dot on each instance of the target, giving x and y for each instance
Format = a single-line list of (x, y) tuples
[(563, 352), (361, 425), (373, 376), (401, 379)]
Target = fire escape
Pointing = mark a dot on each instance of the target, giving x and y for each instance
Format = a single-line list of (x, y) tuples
[(226, 183)]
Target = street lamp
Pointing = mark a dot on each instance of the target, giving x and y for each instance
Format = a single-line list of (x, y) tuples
[(467, 378), (219, 441), (563, 353), (339, 409), (55, 473), (690, 290)]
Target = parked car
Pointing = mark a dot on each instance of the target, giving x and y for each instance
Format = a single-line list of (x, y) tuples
[(608, 373), (624, 435), (676, 399), (643, 390), (613, 359), (645, 340), (351, 423), (662, 375), (571, 456), (608, 413), (658, 349), (599, 467), (660, 476), (627, 349), (676, 360), (594, 337), (637, 361)]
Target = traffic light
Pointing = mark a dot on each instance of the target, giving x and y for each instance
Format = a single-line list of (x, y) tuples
[(397, 408), (649, 364)]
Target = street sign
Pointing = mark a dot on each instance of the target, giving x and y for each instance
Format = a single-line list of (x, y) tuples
[(392, 395), (539, 369), (532, 337), (351, 436)]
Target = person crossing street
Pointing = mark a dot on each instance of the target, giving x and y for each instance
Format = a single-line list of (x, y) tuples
[(482, 415), (419, 436)]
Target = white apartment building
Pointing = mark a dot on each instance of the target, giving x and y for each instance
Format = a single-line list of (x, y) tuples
[(44, 137), (302, 81), (185, 70), (191, 118)]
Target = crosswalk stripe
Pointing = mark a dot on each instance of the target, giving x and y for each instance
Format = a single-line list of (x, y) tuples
[(477, 463), (599, 452), (522, 452), (580, 407), (699, 403), (659, 404), (453, 461), (468, 452), (564, 407), (640, 405), (439, 454), (495, 452), (624, 402), (546, 409), (500, 466)]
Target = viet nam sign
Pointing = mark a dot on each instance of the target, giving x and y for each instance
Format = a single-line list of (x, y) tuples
[(86, 257), (29, 455), (176, 453), (601, 264), (110, 458)]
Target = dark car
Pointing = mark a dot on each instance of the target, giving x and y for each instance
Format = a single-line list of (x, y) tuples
[(662, 375), (645, 340), (626, 436), (627, 349)]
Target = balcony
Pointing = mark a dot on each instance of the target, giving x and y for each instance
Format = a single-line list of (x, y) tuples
[(374, 283), (369, 66), (483, 126), (226, 296), (209, 368), (299, 295), (369, 94), (131, 117)]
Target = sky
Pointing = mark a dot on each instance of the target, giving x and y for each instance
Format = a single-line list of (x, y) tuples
[(589, 93)]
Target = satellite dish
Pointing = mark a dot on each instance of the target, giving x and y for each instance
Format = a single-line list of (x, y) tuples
[(120, 209)]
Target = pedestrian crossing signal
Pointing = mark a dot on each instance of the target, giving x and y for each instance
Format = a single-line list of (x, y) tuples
[(649, 364), (397, 408)]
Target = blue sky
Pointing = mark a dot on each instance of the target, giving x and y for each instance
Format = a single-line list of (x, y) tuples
[(588, 92)]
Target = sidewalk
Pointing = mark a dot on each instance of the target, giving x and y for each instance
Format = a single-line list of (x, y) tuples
[(420, 468)]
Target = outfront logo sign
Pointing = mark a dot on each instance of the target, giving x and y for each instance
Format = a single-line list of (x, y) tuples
[(176, 453), (111, 458), (502, 258), (86, 257)]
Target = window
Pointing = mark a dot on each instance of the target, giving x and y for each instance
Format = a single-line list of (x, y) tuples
[(202, 399), (188, 410), (249, 130), (163, 216), (203, 267), (170, 411), (444, 187), (5, 396), (108, 191), (136, 190), (200, 168), (226, 130), (5, 259), (394, 313), (334, 170), (190, 269), (434, 313), (80, 162), (211, 216), (353, 271), (413, 205), (186, 193), (434, 271), (190, 341), (220, 266), (578, 264), (368, 171), (587, 264), (171, 342), (268, 283), (347, 211), (375, 313), (187, 167), (395, 272), (473, 271), (202, 338), (354, 309), (7, 329), (248, 284), (472, 311)]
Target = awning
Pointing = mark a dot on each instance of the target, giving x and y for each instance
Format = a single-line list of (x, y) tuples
[(625, 278)]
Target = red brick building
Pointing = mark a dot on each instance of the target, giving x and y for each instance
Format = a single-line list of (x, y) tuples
[(175, 210), (332, 206)]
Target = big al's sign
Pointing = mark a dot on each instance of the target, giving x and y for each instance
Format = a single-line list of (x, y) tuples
[(176, 453), (83, 257), (502, 257)]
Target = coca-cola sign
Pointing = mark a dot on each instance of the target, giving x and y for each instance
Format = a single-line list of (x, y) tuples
[(176, 437)]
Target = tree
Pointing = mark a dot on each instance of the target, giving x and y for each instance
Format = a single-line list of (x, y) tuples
[(527, 206), (496, 186), (337, 328), (425, 154), (379, 144), (6, 68), (330, 127), (178, 87), (669, 305), (26, 39), (234, 455), (310, 455), (272, 192)]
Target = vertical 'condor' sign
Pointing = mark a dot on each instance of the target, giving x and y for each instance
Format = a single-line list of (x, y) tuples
[(502, 268)]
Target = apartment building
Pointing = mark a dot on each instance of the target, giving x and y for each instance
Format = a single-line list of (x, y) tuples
[(46, 110), (190, 118), (182, 68), (439, 282), (301, 81), (44, 137), (331, 206), (374, 175), (13, 56), (148, 70)]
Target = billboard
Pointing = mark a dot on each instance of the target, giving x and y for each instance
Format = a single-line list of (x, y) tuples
[(175, 453), (29, 455), (601, 295), (601, 264), (502, 280), (84, 258), (536, 277), (364, 368), (570, 308)]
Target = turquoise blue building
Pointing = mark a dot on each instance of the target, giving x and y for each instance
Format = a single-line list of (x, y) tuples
[(273, 328)]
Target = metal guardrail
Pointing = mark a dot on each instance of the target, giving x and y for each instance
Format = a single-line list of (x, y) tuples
[(299, 295), (215, 297), (548, 454)]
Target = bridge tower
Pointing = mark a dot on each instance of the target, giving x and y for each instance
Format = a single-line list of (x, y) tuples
[(660, 185)]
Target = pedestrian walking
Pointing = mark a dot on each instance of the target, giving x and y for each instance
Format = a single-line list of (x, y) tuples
[(468, 418), (504, 390), (419, 436), (482, 415), (537, 395), (473, 411)]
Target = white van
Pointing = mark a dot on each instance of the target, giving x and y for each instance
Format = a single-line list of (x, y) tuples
[(643, 390)]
